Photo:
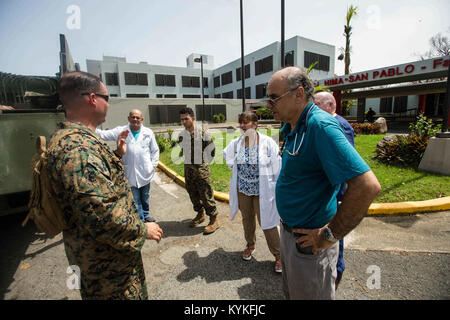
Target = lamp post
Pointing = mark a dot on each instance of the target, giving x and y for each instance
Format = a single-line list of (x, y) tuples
[(446, 104), (201, 80), (282, 33), (242, 57)]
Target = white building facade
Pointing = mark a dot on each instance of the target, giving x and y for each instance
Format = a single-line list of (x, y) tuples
[(143, 80)]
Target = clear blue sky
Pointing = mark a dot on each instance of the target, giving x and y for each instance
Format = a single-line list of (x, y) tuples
[(165, 32)]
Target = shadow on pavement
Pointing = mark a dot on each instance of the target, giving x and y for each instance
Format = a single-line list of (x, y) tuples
[(222, 266), (179, 228), (15, 241), (404, 221)]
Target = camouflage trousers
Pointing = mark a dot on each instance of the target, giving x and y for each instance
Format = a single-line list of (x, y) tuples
[(198, 185)]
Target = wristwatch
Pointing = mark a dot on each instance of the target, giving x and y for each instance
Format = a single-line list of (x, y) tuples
[(328, 235)]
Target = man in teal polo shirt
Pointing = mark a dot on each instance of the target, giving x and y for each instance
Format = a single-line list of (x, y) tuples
[(316, 160)]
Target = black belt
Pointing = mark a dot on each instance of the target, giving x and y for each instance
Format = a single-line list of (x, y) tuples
[(307, 250), (287, 228)]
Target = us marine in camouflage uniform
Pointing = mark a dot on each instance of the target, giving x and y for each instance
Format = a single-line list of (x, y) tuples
[(199, 150), (105, 235)]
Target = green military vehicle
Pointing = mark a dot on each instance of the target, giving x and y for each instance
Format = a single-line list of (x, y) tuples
[(28, 109), (18, 132)]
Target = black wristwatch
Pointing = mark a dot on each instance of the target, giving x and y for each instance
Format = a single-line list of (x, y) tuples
[(328, 235)]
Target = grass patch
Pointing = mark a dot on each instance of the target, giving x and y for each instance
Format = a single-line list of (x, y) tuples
[(398, 183)]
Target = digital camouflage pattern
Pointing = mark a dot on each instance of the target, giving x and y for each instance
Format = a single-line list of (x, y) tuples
[(106, 237), (199, 151), (198, 186)]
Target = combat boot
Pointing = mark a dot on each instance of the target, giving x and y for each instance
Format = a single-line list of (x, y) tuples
[(213, 225), (199, 218)]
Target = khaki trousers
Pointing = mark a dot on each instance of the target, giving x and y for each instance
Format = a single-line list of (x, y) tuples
[(307, 277), (249, 207)]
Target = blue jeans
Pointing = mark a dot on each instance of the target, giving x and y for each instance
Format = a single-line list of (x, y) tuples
[(340, 267), (141, 197)]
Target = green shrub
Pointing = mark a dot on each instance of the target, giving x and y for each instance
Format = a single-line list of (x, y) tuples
[(264, 113), (402, 150), (162, 142), (366, 128), (407, 150), (219, 118), (170, 133), (423, 127)]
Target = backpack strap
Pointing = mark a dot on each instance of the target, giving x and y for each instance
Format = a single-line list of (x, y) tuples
[(41, 144)]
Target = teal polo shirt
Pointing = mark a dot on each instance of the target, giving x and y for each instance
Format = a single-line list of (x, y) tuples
[(309, 182)]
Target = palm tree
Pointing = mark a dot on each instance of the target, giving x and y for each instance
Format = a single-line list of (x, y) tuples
[(347, 33), (345, 54)]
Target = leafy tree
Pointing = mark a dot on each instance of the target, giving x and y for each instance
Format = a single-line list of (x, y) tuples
[(440, 46)]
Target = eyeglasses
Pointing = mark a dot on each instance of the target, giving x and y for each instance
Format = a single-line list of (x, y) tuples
[(273, 102), (104, 96)]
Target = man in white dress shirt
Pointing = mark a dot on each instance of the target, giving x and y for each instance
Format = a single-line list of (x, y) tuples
[(140, 159)]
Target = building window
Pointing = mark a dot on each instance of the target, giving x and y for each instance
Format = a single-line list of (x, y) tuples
[(137, 95), (216, 82), (246, 71), (113, 95), (400, 104), (190, 82), (227, 78), (264, 65), (217, 96), (227, 95), (136, 79), (205, 82), (164, 80), (112, 79), (247, 93), (159, 95), (207, 111), (261, 90), (289, 59), (386, 105), (191, 96), (323, 61), (170, 96)]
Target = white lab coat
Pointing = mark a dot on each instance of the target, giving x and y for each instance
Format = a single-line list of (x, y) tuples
[(142, 155), (269, 162)]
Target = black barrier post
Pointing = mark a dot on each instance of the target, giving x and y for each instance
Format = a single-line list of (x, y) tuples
[(447, 102), (242, 60)]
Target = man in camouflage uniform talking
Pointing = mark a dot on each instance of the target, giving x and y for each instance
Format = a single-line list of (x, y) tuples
[(199, 150), (105, 235)]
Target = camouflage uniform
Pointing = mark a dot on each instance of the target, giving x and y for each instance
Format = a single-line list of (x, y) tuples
[(105, 236), (198, 152)]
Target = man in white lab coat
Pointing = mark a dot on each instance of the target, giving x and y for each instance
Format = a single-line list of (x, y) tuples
[(140, 159)]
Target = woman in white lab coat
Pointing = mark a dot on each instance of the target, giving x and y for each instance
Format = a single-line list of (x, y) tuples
[(255, 163)]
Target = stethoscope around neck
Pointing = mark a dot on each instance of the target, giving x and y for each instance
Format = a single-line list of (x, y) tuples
[(295, 151)]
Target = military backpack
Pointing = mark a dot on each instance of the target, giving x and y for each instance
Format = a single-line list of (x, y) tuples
[(43, 206)]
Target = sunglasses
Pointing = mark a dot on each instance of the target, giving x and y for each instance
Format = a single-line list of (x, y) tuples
[(274, 101), (104, 96)]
